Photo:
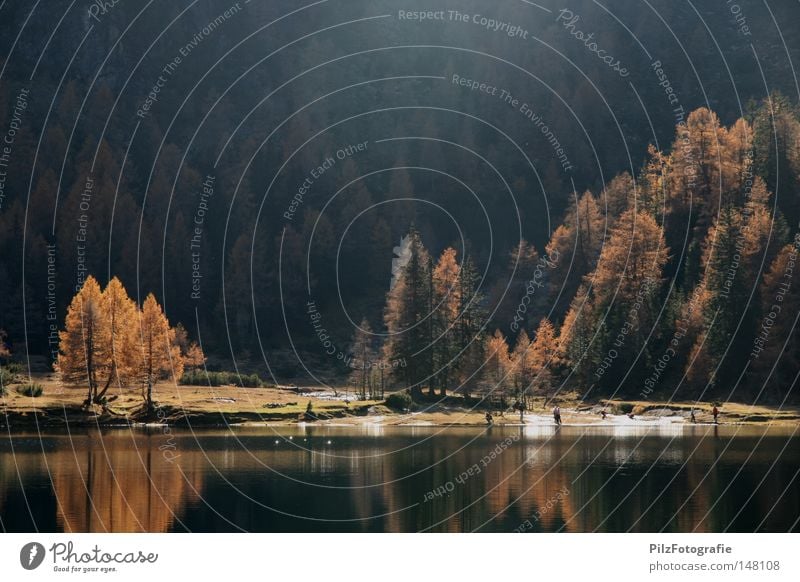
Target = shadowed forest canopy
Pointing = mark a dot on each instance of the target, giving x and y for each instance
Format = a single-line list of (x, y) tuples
[(446, 205)]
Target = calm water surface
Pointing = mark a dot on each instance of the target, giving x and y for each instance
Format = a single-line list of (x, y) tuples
[(403, 479)]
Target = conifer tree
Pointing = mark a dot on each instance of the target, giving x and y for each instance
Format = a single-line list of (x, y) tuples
[(407, 317), (120, 314), (447, 302), (85, 344), (544, 357), (497, 366), (158, 355)]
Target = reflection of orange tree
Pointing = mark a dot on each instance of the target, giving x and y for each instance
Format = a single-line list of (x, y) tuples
[(92, 497), (108, 340)]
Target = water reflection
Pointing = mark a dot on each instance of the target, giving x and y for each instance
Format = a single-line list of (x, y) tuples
[(317, 478)]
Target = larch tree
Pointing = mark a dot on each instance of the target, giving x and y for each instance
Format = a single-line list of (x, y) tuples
[(497, 366), (158, 356), (120, 313), (619, 195), (573, 250), (191, 352), (626, 289), (84, 355), (545, 357)]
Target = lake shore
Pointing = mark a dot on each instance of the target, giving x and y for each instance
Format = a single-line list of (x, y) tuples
[(229, 405)]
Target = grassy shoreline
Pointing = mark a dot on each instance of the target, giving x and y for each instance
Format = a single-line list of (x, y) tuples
[(208, 406)]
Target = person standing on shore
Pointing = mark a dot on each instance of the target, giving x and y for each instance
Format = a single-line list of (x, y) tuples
[(715, 413), (557, 414)]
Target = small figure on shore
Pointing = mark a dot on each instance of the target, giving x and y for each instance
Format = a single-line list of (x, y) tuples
[(631, 415), (603, 414), (715, 413), (557, 414), (520, 405), (489, 419), (694, 420)]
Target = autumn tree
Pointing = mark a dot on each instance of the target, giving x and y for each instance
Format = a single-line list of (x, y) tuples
[(496, 366), (85, 344), (573, 250), (120, 313), (545, 358), (626, 289), (191, 353), (158, 356)]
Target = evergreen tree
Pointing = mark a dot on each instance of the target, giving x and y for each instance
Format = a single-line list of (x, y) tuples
[(408, 318), (447, 304)]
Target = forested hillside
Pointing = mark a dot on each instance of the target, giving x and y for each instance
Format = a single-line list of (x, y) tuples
[(623, 226)]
